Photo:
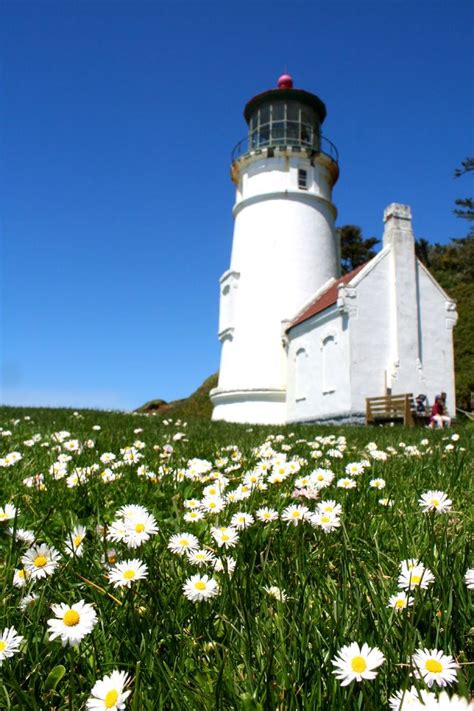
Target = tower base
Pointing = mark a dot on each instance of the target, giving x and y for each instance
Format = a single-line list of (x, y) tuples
[(253, 406)]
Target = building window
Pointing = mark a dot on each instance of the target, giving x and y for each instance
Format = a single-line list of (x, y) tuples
[(302, 179), (329, 364), (301, 374)]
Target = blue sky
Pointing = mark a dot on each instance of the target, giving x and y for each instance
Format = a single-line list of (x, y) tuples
[(117, 122)]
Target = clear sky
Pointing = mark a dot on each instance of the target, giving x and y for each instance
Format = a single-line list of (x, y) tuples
[(117, 123)]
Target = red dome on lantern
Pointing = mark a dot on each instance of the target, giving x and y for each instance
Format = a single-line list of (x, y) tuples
[(285, 82)]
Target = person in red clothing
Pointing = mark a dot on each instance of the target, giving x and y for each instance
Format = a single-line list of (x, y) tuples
[(439, 416)]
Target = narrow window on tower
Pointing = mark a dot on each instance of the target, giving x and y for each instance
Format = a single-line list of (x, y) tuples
[(302, 179)]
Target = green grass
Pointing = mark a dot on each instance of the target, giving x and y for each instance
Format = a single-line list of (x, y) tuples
[(243, 649)]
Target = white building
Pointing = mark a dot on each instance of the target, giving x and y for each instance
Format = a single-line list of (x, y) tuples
[(300, 343)]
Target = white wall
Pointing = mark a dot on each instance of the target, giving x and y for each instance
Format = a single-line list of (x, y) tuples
[(320, 348)]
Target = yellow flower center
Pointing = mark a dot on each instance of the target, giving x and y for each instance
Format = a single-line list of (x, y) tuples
[(266, 515), (183, 542), (71, 618), (325, 519), (40, 561), (3, 516), (77, 541), (295, 514), (358, 665), (225, 537), (199, 585), (111, 698), (140, 527), (432, 665), (21, 573), (212, 504), (327, 508), (415, 579), (400, 603), (2, 645), (435, 502), (129, 574)]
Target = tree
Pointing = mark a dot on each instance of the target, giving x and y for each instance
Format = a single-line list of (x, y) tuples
[(355, 249), (465, 206)]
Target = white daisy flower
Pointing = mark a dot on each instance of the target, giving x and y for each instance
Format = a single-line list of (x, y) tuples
[(40, 561), (329, 506), (225, 536), (241, 520), (116, 531), (139, 529), (193, 515), (377, 483), (416, 577), (201, 557), (327, 521), (400, 601), (354, 468), (28, 601), (346, 483), (19, 578), (469, 579), (295, 514), (182, 543), (74, 541), (198, 588), (212, 504), (108, 694), (413, 698), (435, 501), (357, 663), (446, 703), (127, 572), (71, 622), (7, 512), (434, 667), (9, 643), (226, 564), (276, 592), (266, 515), (23, 535)]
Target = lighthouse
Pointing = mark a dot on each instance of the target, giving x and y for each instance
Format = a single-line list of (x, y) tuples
[(284, 248)]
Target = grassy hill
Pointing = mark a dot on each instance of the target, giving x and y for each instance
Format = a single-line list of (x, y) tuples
[(198, 404)]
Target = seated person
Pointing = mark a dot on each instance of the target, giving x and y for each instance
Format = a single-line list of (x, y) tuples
[(439, 416), (421, 405)]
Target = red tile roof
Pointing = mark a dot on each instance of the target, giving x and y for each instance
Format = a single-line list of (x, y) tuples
[(326, 299)]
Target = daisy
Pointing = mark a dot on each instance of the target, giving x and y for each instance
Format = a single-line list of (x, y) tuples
[(435, 501), (266, 515), (400, 601), (132, 511), (108, 693), (23, 535), (295, 513), (117, 531), (321, 478), (241, 520), (9, 643), (193, 515), (212, 504), (201, 557), (40, 561), (125, 573), (225, 565), (182, 543), (469, 579), (276, 592), (28, 601), (410, 699), (19, 578), (354, 468), (434, 667), (346, 483), (444, 703), (327, 521), (139, 529), (377, 483), (7, 512), (74, 541), (416, 577), (329, 506), (72, 622), (226, 536), (357, 663), (197, 588)]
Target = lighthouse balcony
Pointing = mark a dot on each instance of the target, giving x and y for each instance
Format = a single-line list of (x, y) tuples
[(286, 137)]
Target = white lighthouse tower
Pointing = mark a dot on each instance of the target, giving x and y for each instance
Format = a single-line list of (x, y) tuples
[(284, 248)]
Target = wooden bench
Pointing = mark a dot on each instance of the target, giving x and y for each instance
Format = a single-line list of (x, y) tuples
[(394, 408)]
